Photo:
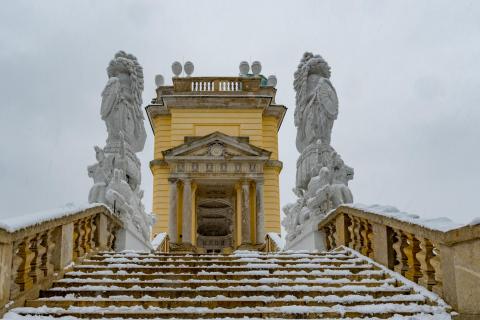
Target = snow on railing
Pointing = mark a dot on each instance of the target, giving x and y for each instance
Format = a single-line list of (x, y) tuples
[(36, 249), (274, 242), (160, 242), (436, 254)]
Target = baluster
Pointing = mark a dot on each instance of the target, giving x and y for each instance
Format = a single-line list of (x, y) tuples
[(84, 236), (332, 236), (37, 251), (435, 262), (411, 251), (111, 236), (78, 232), (328, 243), (23, 278), (367, 249), (356, 230), (192, 86), (17, 260), (93, 227), (47, 243), (86, 224), (428, 271), (401, 259), (351, 234)]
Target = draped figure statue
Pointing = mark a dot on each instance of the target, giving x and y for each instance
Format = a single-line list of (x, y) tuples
[(316, 102), (122, 100)]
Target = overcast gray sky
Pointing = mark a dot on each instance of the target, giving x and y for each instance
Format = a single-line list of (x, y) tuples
[(406, 72)]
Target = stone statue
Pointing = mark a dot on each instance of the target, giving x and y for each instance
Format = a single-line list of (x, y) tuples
[(122, 100), (322, 176), (316, 102), (117, 174)]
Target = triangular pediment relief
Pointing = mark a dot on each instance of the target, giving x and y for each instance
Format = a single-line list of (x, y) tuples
[(216, 145)]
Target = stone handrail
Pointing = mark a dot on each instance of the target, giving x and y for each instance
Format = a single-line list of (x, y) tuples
[(32, 257), (161, 243), (216, 84), (445, 262), (271, 244)]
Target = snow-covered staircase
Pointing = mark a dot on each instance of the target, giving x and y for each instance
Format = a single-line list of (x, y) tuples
[(283, 285)]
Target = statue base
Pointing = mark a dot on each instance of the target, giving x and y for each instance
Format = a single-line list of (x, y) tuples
[(309, 238)]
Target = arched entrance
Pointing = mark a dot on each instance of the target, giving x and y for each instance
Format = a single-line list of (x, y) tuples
[(215, 224)]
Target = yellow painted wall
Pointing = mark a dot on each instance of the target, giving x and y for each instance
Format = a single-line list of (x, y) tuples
[(271, 194), (160, 199), (270, 136), (170, 131)]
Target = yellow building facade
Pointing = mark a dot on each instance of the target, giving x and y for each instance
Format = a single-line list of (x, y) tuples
[(216, 167)]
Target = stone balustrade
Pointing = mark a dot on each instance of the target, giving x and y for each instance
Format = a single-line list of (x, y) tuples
[(31, 258), (271, 244), (161, 243), (447, 263), (216, 84)]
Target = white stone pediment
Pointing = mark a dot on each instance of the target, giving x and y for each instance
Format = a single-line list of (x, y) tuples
[(216, 146)]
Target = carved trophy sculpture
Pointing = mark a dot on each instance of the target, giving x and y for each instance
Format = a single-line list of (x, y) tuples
[(322, 176), (117, 175)]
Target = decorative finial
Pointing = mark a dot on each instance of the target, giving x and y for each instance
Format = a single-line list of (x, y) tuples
[(272, 81), (176, 68), (244, 68), (159, 81), (188, 68), (256, 68)]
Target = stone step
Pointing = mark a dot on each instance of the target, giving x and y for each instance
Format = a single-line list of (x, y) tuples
[(226, 284), (206, 269), (226, 264), (300, 292), (339, 284), (368, 274), (221, 301), (223, 259), (381, 311), (228, 256)]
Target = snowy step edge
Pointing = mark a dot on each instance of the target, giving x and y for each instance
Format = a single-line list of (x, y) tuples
[(340, 309), (303, 288), (267, 273), (352, 298), (300, 281), (247, 266)]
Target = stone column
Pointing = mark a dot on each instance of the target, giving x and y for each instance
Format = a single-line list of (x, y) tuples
[(260, 221), (172, 211), (238, 214), (187, 211), (246, 212)]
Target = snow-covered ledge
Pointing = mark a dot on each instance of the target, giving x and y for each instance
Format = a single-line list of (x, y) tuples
[(440, 255), (274, 242), (36, 249), (161, 242)]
